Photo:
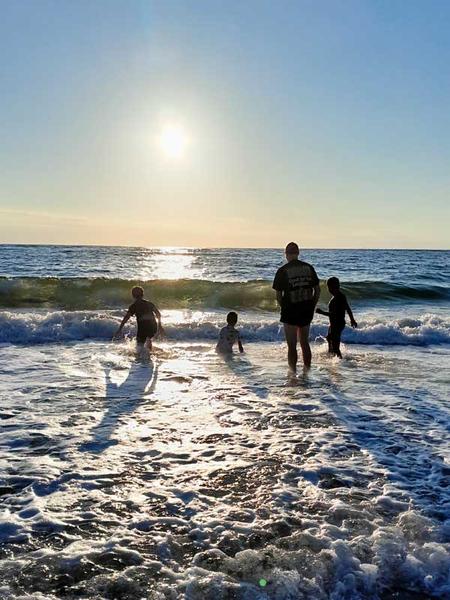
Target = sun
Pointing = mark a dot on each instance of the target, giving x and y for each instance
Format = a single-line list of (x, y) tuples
[(173, 141)]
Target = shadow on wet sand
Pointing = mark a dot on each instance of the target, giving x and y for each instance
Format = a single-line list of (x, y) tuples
[(121, 400)]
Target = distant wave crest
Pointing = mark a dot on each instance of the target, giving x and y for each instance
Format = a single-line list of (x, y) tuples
[(104, 293), (63, 326)]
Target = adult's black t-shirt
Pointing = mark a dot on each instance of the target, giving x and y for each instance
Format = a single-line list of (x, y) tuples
[(296, 280)]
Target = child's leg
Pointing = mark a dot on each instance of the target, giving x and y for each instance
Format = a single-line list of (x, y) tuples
[(336, 342), (337, 346), (140, 349), (329, 340), (148, 344)]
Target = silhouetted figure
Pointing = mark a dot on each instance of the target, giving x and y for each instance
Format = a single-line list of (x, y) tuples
[(337, 308), (147, 316), (298, 291)]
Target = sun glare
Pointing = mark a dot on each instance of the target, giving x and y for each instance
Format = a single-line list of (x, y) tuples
[(173, 141)]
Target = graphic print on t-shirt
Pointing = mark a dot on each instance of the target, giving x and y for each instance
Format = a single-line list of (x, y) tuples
[(299, 278), (296, 280)]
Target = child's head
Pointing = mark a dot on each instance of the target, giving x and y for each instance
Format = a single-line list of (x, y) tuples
[(232, 318), (137, 292), (333, 285)]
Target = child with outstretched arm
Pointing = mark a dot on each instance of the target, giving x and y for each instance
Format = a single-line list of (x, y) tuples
[(229, 335), (337, 308), (147, 316)]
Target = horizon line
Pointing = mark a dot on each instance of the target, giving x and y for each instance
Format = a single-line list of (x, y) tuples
[(168, 246)]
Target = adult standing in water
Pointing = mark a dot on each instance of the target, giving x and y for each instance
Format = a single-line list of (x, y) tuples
[(298, 291)]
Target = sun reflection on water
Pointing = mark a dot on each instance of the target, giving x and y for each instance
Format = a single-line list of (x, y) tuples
[(168, 263)]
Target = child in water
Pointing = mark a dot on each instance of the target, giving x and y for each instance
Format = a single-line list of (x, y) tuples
[(147, 316), (337, 308), (229, 335)]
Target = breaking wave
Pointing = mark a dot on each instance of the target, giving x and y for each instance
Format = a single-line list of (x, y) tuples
[(104, 293), (62, 326)]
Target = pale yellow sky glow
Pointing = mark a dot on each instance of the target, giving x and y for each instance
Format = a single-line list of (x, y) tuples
[(35, 226)]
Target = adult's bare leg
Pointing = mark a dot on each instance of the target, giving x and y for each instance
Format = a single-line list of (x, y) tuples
[(290, 333), (303, 335)]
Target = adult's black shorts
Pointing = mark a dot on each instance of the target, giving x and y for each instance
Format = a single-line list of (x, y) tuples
[(145, 329), (299, 314)]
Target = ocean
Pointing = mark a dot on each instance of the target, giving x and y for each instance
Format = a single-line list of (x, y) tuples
[(187, 476)]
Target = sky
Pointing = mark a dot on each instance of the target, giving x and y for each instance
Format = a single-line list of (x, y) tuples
[(234, 123)]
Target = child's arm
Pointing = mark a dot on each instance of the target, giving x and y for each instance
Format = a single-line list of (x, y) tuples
[(350, 314), (319, 311), (126, 318), (158, 318), (240, 346)]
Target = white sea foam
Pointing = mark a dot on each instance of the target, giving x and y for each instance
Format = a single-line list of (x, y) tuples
[(187, 477), (61, 326)]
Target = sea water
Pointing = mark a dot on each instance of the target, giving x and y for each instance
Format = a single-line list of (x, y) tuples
[(185, 475)]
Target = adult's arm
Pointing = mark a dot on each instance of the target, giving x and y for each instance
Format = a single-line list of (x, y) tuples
[(279, 284), (279, 297), (316, 294), (316, 284)]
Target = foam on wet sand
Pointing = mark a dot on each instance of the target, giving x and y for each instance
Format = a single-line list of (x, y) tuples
[(188, 476)]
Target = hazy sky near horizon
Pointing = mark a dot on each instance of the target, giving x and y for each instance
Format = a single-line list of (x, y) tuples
[(325, 121)]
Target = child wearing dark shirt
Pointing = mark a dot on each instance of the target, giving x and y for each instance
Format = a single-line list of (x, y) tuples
[(147, 316), (337, 308)]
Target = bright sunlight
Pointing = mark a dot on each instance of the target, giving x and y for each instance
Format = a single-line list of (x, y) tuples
[(173, 141)]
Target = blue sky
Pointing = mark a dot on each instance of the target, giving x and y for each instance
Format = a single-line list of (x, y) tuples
[(321, 121)]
